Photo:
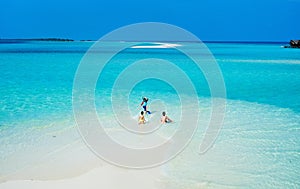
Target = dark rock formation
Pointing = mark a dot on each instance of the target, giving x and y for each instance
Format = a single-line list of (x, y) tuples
[(295, 43)]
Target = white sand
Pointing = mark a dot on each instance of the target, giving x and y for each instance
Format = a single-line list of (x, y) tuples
[(156, 46), (74, 166), (107, 176)]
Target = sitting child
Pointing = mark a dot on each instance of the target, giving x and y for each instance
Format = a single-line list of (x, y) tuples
[(165, 118), (142, 118)]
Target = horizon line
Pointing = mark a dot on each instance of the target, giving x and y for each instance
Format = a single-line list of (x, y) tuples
[(54, 39)]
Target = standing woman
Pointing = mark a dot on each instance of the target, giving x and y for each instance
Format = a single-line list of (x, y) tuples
[(144, 104)]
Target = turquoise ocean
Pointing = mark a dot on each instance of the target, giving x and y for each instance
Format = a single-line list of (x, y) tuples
[(258, 145)]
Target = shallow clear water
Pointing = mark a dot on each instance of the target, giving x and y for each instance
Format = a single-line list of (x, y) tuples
[(257, 146)]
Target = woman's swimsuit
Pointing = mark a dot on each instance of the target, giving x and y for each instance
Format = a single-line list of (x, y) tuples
[(145, 107)]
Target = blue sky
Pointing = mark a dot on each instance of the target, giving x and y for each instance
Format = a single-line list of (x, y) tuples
[(210, 20)]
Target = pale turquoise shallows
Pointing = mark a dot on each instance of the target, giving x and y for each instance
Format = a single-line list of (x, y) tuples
[(258, 146)]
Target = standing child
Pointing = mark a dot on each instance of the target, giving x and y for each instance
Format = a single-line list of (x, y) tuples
[(144, 105)]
